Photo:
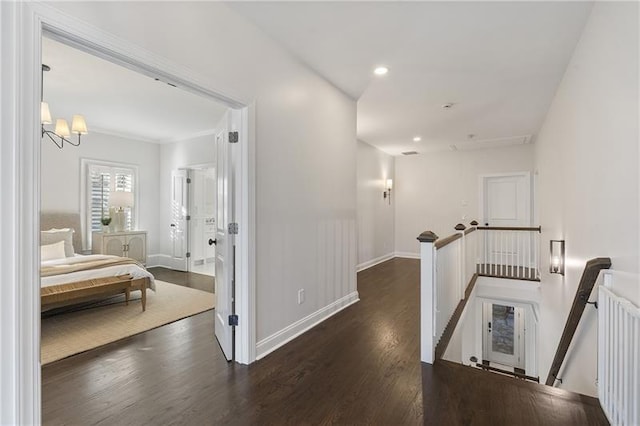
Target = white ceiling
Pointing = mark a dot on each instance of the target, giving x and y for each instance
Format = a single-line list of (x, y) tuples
[(499, 63), (118, 101)]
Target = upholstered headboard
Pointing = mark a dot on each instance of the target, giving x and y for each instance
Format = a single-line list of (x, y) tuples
[(50, 220)]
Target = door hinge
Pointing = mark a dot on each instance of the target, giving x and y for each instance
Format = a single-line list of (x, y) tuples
[(188, 217), (188, 254), (188, 180), (233, 320), (233, 137), (233, 228)]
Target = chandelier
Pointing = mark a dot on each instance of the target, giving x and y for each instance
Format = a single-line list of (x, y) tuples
[(61, 134)]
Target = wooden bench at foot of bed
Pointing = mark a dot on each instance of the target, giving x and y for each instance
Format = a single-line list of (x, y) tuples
[(65, 293)]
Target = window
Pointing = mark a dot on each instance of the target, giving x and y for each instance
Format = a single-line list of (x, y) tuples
[(106, 183)]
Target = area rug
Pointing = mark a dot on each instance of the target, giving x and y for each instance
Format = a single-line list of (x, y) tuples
[(74, 332)]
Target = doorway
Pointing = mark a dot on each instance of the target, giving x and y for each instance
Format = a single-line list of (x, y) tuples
[(202, 222), (503, 342), (505, 199), (193, 219), (31, 21)]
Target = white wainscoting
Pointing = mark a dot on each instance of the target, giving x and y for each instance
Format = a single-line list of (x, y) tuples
[(373, 262), (287, 334)]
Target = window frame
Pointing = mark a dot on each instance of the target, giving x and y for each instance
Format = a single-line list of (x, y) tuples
[(85, 196)]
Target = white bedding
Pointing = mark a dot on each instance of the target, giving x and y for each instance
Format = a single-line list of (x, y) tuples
[(134, 270)]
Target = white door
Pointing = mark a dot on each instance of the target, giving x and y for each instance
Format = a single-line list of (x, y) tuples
[(504, 334), (506, 203), (179, 223), (224, 246), (507, 200)]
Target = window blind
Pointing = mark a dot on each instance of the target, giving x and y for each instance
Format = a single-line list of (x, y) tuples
[(103, 181)]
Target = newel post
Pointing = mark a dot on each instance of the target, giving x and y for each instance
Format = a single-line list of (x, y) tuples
[(427, 295), (462, 250)]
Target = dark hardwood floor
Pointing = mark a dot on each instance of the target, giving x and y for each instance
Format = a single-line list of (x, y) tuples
[(361, 366), (187, 279)]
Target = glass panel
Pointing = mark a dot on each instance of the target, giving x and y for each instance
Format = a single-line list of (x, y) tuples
[(502, 330)]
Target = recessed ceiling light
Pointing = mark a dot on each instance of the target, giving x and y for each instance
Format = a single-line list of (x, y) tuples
[(381, 70), (417, 139)]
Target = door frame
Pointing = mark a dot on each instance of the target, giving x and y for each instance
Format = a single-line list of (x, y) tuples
[(481, 194), (531, 325), (183, 263), (23, 26), (519, 327), (190, 170)]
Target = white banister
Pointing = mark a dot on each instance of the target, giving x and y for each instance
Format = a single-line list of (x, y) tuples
[(427, 296), (618, 358), (509, 252), (446, 267)]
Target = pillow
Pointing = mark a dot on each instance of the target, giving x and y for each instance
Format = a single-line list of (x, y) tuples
[(55, 235), (52, 251)]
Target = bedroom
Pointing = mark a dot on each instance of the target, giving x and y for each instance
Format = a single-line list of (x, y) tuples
[(143, 137)]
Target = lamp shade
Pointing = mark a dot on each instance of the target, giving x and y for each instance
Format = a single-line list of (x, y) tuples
[(121, 199), (389, 183), (62, 128), (45, 114), (78, 125)]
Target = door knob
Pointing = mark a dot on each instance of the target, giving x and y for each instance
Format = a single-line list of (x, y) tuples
[(211, 242)]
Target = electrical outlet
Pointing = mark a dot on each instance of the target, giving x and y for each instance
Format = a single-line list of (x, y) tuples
[(301, 296)]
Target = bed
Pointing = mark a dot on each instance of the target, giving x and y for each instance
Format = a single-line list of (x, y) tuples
[(67, 277)]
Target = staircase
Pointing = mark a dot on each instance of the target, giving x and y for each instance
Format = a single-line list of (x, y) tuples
[(441, 346)]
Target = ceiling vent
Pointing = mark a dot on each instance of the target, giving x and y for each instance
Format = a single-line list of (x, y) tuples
[(410, 153)]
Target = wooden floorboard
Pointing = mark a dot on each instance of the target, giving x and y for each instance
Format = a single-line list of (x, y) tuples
[(359, 367), (187, 279)]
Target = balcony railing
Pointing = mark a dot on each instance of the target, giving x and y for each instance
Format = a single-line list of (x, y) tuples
[(509, 252)]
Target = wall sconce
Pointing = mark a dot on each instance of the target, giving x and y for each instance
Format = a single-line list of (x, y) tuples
[(556, 257), (387, 191)]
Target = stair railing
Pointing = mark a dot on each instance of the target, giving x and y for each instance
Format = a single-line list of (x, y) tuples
[(618, 356), (447, 265), (509, 252), (587, 281)]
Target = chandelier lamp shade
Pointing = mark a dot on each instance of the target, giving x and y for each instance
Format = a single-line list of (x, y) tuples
[(61, 134)]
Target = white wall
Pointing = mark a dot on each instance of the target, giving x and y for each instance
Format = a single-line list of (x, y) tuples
[(305, 131), (61, 175), (200, 150), (375, 214), (587, 159), (430, 189)]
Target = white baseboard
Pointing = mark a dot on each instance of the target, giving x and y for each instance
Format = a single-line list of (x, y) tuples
[(374, 262), (287, 334), (163, 260), (407, 255)]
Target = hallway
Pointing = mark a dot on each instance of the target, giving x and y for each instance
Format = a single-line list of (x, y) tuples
[(359, 367)]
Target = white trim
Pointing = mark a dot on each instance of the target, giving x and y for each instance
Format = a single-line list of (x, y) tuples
[(245, 182), (373, 262), (84, 194), (481, 195), (161, 260), (532, 326), (406, 255), (287, 334), (19, 215)]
